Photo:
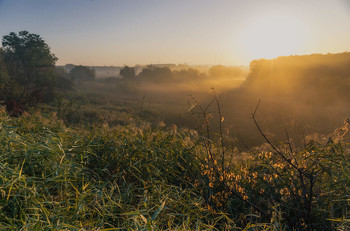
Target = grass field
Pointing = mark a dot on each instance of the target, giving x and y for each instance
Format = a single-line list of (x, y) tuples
[(138, 177)]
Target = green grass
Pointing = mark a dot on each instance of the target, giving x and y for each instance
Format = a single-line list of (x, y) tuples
[(53, 177), (135, 177)]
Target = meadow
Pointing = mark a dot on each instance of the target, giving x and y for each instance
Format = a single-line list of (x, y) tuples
[(135, 177), (264, 149)]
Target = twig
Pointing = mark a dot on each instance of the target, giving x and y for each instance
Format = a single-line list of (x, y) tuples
[(221, 133), (269, 142)]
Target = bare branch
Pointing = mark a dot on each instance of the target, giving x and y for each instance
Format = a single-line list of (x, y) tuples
[(273, 146)]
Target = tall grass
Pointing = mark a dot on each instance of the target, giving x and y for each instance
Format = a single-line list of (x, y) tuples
[(130, 177), (53, 177)]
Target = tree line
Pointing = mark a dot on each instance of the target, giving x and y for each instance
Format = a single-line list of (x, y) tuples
[(155, 73), (28, 74)]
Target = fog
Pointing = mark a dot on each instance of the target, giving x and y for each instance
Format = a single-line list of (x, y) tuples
[(299, 96)]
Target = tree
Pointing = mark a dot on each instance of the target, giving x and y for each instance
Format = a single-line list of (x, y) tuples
[(127, 72), (62, 80), (189, 74), (156, 74), (3, 76), (30, 66), (82, 73)]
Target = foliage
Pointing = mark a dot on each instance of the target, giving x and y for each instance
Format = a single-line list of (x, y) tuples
[(62, 80), (3, 76), (156, 74), (30, 65), (187, 75), (82, 73), (127, 72)]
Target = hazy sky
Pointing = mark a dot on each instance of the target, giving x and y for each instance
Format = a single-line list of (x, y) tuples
[(113, 32)]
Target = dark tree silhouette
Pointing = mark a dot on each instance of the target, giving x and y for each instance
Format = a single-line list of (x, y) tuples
[(156, 74), (82, 73), (127, 72), (3, 76), (30, 66), (62, 79)]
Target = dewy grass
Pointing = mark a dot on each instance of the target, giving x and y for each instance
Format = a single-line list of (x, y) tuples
[(126, 178), (138, 178)]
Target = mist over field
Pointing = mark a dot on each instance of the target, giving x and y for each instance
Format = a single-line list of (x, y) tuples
[(300, 94), (232, 135), (303, 95), (174, 115)]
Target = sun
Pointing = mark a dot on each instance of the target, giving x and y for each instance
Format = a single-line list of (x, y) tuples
[(270, 36)]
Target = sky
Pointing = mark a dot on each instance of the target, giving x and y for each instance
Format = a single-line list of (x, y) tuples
[(196, 32)]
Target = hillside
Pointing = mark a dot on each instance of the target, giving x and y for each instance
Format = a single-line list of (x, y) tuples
[(320, 79), (301, 94)]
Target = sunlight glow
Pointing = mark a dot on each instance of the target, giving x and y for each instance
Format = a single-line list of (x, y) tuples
[(271, 36)]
